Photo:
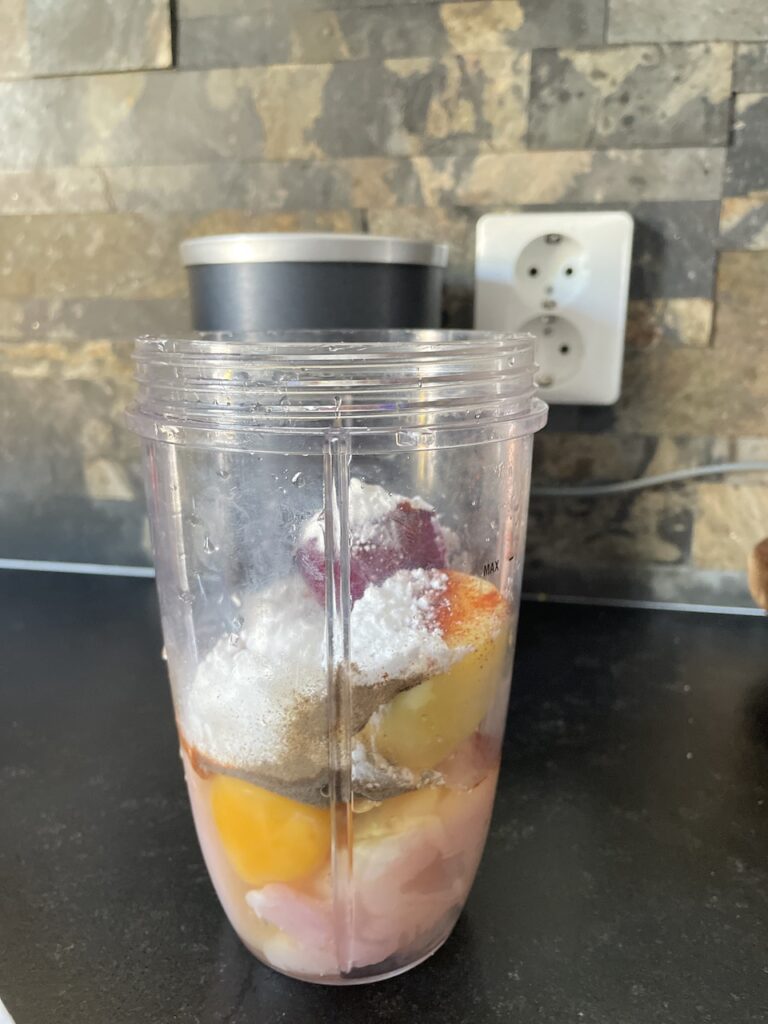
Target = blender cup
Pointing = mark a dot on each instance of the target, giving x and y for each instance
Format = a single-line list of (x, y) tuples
[(339, 522)]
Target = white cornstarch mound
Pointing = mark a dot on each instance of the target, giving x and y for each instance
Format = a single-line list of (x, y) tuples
[(257, 706), (394, 631)]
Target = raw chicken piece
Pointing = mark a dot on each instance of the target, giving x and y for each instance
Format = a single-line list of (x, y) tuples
[(406, 880)]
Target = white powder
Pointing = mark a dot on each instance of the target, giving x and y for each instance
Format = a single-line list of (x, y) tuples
[(394, 633), (238, 707), (371, 509), (260, 702)]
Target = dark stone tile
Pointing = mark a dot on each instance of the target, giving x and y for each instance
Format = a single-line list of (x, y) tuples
[(74, 36), (572, 457), (686, 20), (332, 32), (747, 167), (474, 102), (630, 96), (750, 68), (674, 250), (236, 41), (585, 419), (386, 32), (458, 306), (171, 117), (647, 527)]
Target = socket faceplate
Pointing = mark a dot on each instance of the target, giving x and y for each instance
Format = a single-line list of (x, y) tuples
[(563, 277)]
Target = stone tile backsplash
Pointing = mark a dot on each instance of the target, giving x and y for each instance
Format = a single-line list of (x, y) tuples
[(69, 37), (408, 117), (663, 95)]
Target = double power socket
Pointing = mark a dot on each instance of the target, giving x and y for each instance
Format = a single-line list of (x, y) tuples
[(564, 278)]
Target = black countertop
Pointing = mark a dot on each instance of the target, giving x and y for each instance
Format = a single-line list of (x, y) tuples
[(625, 879)]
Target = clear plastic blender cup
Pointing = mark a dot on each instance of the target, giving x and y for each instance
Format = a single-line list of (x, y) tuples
[(339, 524)]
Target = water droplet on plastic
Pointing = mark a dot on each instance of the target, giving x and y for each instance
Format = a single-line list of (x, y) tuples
[(233, 639), (223, 473), (186, 596), (164, 654), (195, 520), (208, 546), (237, 622), (298, 479)]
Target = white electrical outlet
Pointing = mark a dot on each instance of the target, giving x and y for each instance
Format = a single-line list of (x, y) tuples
[(563, 277)]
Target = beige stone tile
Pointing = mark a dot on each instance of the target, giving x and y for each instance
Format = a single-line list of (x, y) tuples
[(106, 480), (481, 27), (289, 101), (752, 449), (91, 255), (741, 319), (125, 256), (14, 47), (73, 37), (651, 322), (218, 222), (671, 453), (730, 520), (11, 318), (695, 392), (58, 190), (434, 224)]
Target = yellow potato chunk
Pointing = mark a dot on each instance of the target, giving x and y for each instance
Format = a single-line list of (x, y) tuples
[(267, 837), (418, 728)]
